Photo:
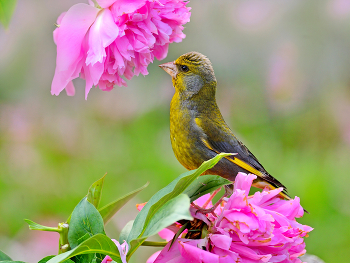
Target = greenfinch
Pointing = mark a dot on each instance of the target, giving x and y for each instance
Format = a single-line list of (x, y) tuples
[(198, 131)]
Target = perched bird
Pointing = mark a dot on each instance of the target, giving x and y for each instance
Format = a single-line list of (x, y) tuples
[(198, 131)]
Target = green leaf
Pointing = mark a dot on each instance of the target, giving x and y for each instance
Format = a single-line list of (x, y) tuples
[(134, 244), (3, 256), (205, 184), (46, 259), (36, 226), (86, 221), (125, 231), (6, 10), (178, 233), (95, 190), (90, 258), (175, 209), (172, 190), (109, 210), (99, 243)]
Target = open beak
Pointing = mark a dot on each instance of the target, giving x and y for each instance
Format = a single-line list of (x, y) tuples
[(169, 68)]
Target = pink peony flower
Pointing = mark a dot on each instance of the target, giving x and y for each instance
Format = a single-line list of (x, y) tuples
[(123, 250), (117, 38), (246, 229)]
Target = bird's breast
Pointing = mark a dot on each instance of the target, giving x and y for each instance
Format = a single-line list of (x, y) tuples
[(184, 135)]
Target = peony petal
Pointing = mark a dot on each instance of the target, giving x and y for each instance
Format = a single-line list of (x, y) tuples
[(124, 47), (119, 63), (140, 206), (70, 90), (152, 258), (238, 200), (107, 259), (171, 255), (71, 33), (265, 197), (96, 71), (202, 200), (121, 7), (250, 253), (59, 21), (244, 182), (105, 3), (244, 222), (101, 34), (291, 208), (221, 241), (69, 38), (160, 51), (194, 212), (164, 30), (189, 250), (226, 256), (250, 229), (123, 37), (88, 80), (166, 234)]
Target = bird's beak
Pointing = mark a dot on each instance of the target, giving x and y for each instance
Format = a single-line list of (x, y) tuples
[(169, 68)]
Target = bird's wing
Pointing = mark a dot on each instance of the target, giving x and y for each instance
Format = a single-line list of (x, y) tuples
[(219, 140)]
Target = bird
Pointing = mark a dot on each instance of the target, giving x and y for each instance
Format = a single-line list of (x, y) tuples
[(198, 131)]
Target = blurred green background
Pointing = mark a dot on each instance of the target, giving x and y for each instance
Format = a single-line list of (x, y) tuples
[(283, 87)]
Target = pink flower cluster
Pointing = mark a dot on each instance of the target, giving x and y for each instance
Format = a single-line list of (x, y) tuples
[(245, 229), (117, 38)]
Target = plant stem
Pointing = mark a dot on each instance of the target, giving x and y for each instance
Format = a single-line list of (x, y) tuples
[(96, 4), (63, 241), (211, 197), (154, 244)]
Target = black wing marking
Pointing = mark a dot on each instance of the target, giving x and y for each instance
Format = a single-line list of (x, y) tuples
[(221, 139), (246, 156)]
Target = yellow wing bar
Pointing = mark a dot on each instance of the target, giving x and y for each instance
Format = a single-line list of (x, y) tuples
[(249, 168), (245, 166), (236, 161)]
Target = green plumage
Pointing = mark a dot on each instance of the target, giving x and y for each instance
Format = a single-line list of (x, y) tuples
[(197, 129)]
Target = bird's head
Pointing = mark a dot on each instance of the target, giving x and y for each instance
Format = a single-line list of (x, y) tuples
[(192, 73)]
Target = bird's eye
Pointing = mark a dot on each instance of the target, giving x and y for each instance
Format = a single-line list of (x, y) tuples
[(184, 68)]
